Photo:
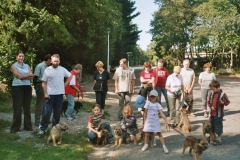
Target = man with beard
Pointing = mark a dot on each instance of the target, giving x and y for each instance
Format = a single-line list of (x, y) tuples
[(53, 88)]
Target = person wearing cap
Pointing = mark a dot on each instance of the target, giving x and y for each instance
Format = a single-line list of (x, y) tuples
[(140, 101), (124, 77), (175, 91), (151, 120), (188, 83)]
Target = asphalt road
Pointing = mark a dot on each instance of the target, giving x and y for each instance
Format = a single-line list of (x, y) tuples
[(229, 150)]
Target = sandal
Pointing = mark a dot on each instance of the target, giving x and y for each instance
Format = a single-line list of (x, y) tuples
[(217, 143)]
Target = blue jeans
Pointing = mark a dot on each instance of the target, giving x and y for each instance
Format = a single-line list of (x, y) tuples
[(70, 108), (55, 104), (101, 97), (164, 92), (106, 125), (21, 96)]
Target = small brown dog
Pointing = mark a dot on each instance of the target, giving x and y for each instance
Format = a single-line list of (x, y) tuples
[(104, 135), (206, 128), (56, 133), (197, 145), (185, 121), (118, 133)]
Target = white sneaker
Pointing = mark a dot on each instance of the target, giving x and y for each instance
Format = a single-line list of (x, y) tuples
[(165, 150), (154, 142), (145, 147), (70, 118)]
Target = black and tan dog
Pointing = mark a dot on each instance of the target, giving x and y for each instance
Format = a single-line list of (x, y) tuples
[(207, 129), (104, 135), (77, 105), (56, 133), (197, 145)]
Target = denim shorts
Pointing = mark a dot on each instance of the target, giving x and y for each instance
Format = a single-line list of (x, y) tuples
[(217, 124)]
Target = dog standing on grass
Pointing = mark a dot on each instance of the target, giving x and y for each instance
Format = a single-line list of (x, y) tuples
[(56, 133)]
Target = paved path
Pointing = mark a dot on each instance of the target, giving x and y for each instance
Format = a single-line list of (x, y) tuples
[(174, 139)]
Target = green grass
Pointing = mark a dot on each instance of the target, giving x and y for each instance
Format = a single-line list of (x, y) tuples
[(74, 146)]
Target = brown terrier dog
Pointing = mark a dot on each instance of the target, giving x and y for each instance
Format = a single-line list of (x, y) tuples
[(185, 121), (197, 145), (56, 133), (206, 128), (118, 134), (121, 136), (104, 135)]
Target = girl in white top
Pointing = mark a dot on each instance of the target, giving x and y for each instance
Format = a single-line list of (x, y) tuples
[(204, 80), (151, 119)]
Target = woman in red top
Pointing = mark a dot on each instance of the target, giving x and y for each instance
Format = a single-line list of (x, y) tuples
[(147, 79)]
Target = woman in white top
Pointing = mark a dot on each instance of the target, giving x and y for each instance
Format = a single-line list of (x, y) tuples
[(204, 80), (175, 92)]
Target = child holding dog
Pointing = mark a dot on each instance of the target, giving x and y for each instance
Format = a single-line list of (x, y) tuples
[(151, 119), (129, 122), (217, 100), (95, 124)]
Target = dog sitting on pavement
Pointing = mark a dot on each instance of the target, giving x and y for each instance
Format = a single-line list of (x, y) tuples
[(185, 121), (77, 105), (121, 136), (104, 135), (56, 133), (197, 145), (207, 129)]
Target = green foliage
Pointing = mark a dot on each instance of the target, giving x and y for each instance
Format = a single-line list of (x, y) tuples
[(191, 27), (76, 30), (75, 146)]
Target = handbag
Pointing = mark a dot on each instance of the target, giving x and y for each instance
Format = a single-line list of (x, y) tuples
[(178, 93), (97, 87)]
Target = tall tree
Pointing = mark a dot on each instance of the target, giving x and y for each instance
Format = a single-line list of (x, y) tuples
[(128, 41), (170, 26)]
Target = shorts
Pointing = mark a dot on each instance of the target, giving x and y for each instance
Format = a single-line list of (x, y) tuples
[(132, 131), (217, 124)]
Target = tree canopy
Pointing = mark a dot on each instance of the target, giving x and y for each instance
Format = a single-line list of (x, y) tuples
[(76, 30)]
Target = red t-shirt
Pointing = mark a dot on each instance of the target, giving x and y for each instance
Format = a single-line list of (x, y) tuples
[(69, 89), (160, 75), (145, 75)]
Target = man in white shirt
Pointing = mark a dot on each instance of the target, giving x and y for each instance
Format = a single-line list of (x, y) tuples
[(53, 87), (188, 75), (124, 77)]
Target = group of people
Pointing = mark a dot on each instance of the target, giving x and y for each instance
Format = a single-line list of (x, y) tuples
[(50, 86), (52, 81)]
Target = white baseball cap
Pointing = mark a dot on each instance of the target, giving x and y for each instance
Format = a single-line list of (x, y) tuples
[(153, 93)]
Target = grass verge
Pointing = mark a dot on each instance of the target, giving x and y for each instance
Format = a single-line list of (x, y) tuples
[(74, 146)]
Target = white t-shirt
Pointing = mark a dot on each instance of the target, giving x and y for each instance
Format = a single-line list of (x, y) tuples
[(73, 81), (206, 79), (54, 77), (124, 77), (174, 83), (150, 104), (188, 77)]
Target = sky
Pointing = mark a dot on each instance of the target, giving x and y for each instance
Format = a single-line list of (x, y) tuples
[(146, 9)]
